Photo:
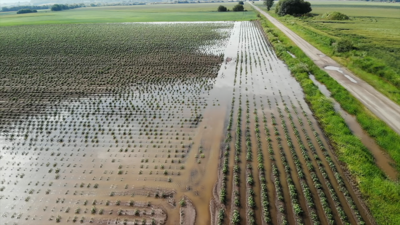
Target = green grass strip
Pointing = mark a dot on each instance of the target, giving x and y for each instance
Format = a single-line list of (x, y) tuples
[(381, 194)]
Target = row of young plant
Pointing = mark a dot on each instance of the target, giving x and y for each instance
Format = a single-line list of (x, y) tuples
[(311, 211), (259, 48), (317, 185), (340, 182), (265, 204), (339, 208), (279, 201), (360, 163), (251, 204), (305, 188), (235, 217), (259, 55), (250, 194), (225, 166), (306, 191), (297, 211), (235, 195)]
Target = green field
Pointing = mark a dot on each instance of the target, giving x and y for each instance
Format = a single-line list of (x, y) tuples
[(373, 28), (139, 13)]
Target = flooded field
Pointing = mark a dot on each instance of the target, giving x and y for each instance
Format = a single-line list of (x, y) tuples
[(161, 123), (103, 135), (276, 165)]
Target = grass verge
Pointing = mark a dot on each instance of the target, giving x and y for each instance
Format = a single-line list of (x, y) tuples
[(381, 194)]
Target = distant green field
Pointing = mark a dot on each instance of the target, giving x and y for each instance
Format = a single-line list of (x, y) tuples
[(139, 13), (362, 9), (374, 29)]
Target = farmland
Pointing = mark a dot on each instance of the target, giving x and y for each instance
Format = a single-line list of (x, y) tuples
[(101, 125), (138, 13), (106, 119), (277, 166), (107, 127)]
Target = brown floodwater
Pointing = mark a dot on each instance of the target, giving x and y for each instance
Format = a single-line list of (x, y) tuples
[(101, 152), (261, 75), (133, 156)]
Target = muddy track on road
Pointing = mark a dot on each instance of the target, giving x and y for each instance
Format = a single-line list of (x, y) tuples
[(377, 103)]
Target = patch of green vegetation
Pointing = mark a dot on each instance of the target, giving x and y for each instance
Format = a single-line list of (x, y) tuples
[(334, 16), (138, 13), (382, 195), (22, 11), (347, 5), (374, 31)]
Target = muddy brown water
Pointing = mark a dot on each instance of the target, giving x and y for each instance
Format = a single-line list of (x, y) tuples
[(265, 77), (102, 156), (70, 162)]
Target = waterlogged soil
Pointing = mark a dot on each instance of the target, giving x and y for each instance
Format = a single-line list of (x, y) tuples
[(150, 149), (304, 182), (126, 146)]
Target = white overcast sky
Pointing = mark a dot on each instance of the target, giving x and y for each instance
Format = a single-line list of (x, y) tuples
[(13, 1)]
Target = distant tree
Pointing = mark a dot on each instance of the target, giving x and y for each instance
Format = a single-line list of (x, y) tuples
[(238, 8), (22, 11), (292, 7), (269, 4), (16, 8), (222, 8), (60, 7), (57, 7), (241, 3)]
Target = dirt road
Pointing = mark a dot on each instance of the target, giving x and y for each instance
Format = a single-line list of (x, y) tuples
[(376, 102)]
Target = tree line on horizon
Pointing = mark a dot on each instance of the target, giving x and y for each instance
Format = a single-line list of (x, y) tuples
[(237, 8)]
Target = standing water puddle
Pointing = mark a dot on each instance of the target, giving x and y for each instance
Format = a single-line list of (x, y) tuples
[(335, 68), (382, 160), (293, 56)]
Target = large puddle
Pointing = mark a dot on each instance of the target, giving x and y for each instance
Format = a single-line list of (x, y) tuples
[(334, 68)]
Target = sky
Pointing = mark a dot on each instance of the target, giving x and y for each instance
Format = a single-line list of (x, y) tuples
[(12, 1)]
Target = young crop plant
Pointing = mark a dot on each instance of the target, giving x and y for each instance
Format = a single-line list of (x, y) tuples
[(261, 173)]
